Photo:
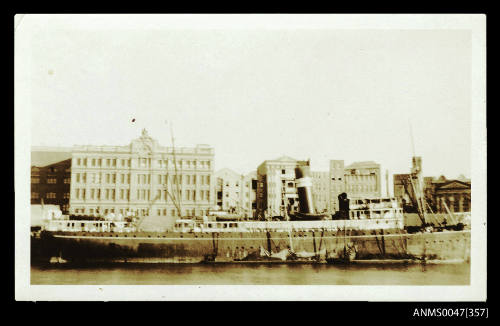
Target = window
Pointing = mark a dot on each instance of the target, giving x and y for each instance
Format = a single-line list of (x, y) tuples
[(79, 161), (99, 162), (114, 162), (85, 162), (108, 162), (93, 162), (283, 171), (35, 180), (51, 180), (35, 195), (66, 195), (51, 195)]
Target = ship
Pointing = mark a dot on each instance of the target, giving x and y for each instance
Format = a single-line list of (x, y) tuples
[(372, 231)]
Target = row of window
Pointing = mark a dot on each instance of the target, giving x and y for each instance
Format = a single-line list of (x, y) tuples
[(98, 194), (102, 162), (361, 178), (35, 180), (138, 211), (142, 194), (49, 195), (97, 178), (142, 162), (237, 184), (361, 188), (112, 178)]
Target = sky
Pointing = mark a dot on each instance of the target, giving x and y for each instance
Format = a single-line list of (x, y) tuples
[(254, 91)]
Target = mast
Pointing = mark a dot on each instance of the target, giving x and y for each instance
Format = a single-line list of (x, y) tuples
[(387, 183), (417, 173), (176, 180)]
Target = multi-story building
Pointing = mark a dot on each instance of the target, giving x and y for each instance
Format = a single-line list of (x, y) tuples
[(276, 188), (439, 193), (142, 178), (358, 180), (456, 194), (321, 191), (252, 181), (337, 183), (362, 180), (50, 184), (235, 192)]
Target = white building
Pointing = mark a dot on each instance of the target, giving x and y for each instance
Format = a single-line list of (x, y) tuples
[(144, 178)]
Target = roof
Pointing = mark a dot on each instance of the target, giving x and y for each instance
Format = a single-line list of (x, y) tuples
[(285, 158), (454, 184), (227, 171), (364, 164), (44, 158)]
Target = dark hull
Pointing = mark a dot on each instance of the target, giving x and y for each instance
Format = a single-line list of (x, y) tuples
[(174, 247)]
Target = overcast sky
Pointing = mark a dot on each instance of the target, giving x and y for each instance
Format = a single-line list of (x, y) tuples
[(254, 92)]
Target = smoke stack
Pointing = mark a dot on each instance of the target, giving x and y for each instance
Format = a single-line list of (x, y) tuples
[(304, 189)]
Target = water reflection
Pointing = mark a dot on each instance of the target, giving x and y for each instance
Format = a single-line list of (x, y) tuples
[(258, 274)]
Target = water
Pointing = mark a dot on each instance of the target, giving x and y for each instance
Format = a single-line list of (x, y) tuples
[(239, 274)]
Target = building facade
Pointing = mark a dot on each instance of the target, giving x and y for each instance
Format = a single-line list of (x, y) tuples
[(276, 187), (357, 180), (143, 178), (235, 192), (439, 193), (51, 184), (362, 180), (276, 184), (454, 194), (321, 191)]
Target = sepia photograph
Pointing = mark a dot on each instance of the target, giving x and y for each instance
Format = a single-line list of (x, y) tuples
[(250, 157)]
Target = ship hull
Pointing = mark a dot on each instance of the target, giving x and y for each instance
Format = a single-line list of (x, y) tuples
[(172, 247)]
